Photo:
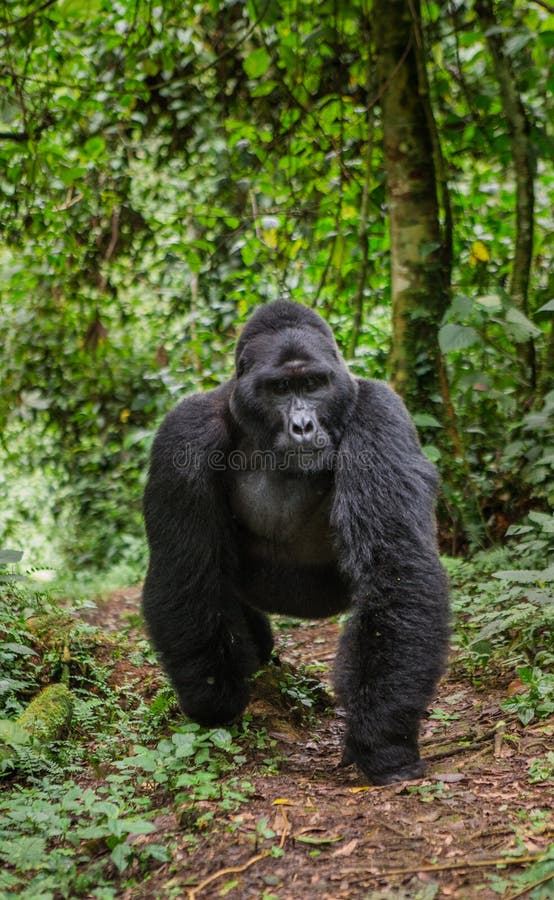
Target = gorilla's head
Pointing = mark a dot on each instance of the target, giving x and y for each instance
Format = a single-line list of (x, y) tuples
[(293, 393)]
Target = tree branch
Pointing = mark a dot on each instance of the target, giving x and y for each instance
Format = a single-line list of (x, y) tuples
[(30, 15)]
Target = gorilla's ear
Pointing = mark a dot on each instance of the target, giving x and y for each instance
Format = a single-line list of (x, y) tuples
[(241, 366)]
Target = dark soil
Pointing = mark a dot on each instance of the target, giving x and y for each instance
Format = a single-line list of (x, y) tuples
[(336, 837)]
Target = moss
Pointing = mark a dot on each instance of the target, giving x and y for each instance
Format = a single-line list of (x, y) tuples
[(48, 713)]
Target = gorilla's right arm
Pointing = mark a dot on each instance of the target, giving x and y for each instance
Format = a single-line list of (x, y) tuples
[(193, 614)]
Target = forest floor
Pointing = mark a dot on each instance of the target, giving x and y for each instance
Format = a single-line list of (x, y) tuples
[(473, 827)]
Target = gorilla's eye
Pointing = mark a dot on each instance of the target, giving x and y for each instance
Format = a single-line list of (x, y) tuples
[(282, 386), (314, 382)]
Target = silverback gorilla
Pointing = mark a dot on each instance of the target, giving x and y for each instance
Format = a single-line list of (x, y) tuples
[(295, 488)]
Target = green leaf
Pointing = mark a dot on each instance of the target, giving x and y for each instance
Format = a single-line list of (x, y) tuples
[(10, 556), (516, 43), (308, 839), (489, 301), (428, 248), (525, 576), (121, 855), (24, 852), (158, 852), (72, 174), (257, 63), (519, 326), (263, 89), (11, 684), (545, 521), (13, 734), (135, 826), (456, 337), (221, 738), (548, 307), (19, 649), (426, 420), (547, 38), (432, 453), (525, 715), (94, 147)]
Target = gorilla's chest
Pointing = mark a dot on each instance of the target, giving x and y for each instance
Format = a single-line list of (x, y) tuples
[(285, 517)]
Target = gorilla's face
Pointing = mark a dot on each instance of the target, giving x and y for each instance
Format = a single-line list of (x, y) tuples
[(292, 396)]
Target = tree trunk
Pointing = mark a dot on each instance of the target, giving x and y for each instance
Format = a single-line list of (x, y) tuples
[(419, 266)]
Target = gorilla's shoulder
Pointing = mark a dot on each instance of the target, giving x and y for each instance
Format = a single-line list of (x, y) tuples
[(198, 423), (379, 404), (383, 423)]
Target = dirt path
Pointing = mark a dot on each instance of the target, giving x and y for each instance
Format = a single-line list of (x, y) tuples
[(316, 830)]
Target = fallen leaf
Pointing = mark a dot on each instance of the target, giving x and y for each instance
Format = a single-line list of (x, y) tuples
[(347, 849), (449, 777), (307, 839)]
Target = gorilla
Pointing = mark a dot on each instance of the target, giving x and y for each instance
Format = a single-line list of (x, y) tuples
[(295, 488)]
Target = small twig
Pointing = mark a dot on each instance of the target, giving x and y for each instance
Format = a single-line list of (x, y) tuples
[(397, 831), (490, 832), (286, 827), (114, 237), (530, 887), (458, 748), (499, 738), (69, 201), (468, 864), (549, 7), (111, 247), (230, 870), (255, 215), (30, 15), (233, 870), (454, 751), (18, 136)]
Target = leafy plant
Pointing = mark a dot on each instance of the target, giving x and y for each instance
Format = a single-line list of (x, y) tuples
[(308, 694), (535, 882), (509, 620), (542, 768), (537, 701)]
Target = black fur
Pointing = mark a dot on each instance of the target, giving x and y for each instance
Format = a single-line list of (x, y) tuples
[(298, 489)]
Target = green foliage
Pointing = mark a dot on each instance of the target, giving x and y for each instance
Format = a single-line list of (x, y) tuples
[(51, 834), (509, 620), (542, 768), (308, 694), (535, 882), (76, 815), (506, 622), (538, 699), (427, 793), (20, 667), (189, 760), (532, 450), (165, 168)]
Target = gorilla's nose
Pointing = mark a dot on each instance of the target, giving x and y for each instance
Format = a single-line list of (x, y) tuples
[(302, 428)]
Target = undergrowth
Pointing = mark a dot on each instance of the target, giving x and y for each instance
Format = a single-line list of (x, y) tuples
[(80, 814), (503, 605)]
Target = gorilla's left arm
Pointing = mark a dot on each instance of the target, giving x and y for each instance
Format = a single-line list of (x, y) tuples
[(394, 647)]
